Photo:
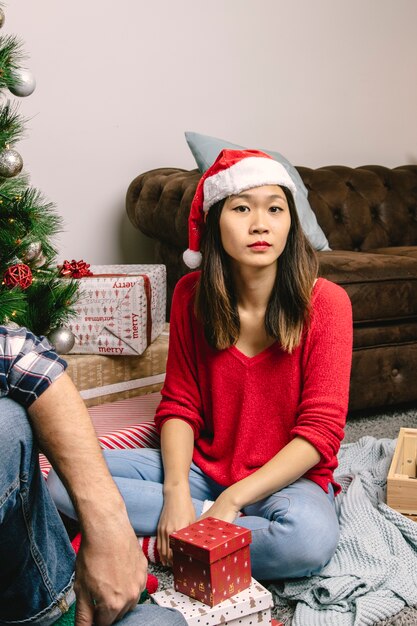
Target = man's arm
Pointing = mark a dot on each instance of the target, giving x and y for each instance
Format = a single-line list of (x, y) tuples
[(110, 567)]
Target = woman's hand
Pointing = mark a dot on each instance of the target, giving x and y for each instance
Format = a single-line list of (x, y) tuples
[(178, 512), (223, 508)]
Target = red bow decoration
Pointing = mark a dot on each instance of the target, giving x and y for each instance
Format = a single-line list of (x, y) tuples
[(75, 269)]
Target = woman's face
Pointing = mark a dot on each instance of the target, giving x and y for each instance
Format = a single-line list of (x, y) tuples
[(254, 225)]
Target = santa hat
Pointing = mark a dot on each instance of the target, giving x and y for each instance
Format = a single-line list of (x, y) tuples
[(231, 173)]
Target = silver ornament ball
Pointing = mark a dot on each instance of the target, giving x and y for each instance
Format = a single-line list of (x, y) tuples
[(11, 163), (33, 251), (2, 18), (62, 340), (25, 83), (39, 261)]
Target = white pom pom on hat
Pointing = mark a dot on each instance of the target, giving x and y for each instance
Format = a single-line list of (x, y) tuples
[(192, 259), (231, 173)]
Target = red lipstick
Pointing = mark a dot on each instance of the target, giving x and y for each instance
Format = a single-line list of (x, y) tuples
[(260, 244)]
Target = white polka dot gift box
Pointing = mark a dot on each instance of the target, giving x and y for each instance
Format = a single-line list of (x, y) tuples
[(252, 606), (211, 560), (121, 309)]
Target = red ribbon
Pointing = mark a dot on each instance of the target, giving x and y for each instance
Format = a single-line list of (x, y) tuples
[(75, 269)]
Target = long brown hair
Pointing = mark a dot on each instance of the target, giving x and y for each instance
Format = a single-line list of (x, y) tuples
[(288, 308)]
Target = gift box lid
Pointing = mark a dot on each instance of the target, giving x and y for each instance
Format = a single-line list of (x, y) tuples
[(252, 600), (210, 539)]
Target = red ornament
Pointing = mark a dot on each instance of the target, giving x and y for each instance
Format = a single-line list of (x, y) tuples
[(75, 269), (18, 275)]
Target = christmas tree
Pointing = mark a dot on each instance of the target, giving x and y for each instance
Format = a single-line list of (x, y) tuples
[(32, 293)]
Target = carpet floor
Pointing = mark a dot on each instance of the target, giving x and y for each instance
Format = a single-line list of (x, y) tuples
[(378, 425)]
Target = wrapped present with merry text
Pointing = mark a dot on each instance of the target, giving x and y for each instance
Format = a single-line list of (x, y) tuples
[(121, 309)]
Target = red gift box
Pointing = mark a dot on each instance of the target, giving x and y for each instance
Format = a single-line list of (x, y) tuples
[(211, 560)]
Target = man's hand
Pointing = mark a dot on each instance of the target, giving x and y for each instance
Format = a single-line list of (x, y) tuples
[(110, 574), (178, 512), (110, 568)]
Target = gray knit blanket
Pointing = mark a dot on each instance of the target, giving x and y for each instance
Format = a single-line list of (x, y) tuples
[(373, 574)]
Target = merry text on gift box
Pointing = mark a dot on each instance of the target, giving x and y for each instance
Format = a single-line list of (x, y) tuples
[(121, 309), (211, 560)]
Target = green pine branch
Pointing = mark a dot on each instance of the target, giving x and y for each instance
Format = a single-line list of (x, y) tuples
[(13, 305), (15, 186), (11, 57), (50, 304), (11, 125), (26, 218)]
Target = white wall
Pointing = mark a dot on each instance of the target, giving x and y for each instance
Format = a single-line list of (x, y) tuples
[(324, 82)]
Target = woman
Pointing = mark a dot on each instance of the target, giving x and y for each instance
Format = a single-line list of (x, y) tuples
[(256, 392)]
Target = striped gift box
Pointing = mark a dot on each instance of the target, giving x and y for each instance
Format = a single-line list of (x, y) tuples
[(124, 424)]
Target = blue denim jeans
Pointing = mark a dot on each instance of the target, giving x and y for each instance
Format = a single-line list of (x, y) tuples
[(36, 557), (295, 531)]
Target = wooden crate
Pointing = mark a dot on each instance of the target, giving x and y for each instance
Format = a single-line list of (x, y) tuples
[(402, 475)]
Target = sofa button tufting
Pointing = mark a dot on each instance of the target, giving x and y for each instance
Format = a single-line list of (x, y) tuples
[(394, 372)]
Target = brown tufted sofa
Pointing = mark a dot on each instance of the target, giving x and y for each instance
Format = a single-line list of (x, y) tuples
[(369, 215)]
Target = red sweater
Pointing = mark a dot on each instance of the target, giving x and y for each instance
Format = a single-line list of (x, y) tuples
[(242, 409)]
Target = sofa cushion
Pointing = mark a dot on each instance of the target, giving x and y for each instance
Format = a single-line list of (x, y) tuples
[(410, 251), (381, 288), (389, 334), (205, 149)]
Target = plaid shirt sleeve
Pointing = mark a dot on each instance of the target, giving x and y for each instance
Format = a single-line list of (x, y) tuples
[(28, 365)]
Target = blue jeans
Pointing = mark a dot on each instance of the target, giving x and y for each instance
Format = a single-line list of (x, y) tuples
[(294, 531), (36, 557)]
